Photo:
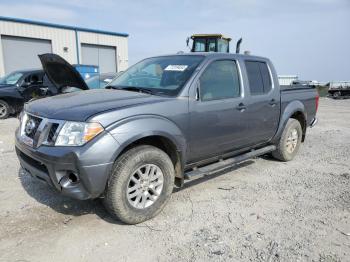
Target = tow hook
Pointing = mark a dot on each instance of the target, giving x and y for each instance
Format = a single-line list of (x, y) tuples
[(69, 180), (313, 122)]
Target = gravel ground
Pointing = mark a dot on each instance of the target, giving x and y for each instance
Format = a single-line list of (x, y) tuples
[(263, 210)]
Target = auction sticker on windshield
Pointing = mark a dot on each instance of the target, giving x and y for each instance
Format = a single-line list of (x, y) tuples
[(176, 68)]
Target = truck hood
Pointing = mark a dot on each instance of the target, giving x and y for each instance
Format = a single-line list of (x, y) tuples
[(61, 73), (9, 90), (79, 106), (6, 86)]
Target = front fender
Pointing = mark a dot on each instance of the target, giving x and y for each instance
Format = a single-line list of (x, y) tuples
[(289, 110), (14, 100), (129, 130)]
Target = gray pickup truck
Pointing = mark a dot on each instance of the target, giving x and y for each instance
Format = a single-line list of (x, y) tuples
[(164, 120)]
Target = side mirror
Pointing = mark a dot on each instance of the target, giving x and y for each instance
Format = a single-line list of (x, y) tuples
[(187, 41)]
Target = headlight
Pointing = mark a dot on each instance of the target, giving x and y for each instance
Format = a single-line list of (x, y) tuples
[(20, 116), (77, 133)]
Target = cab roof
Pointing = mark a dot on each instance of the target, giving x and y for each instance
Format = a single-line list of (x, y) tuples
[(216, 55), (210, 36)]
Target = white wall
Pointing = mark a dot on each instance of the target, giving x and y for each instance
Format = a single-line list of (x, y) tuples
[(61, 38)]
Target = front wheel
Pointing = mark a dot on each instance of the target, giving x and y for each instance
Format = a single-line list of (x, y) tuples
[(290, 141), (140, 184), (4, 109)]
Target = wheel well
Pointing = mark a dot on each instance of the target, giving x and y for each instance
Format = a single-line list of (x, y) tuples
[(4, 99), (166, 145), (301, 118)]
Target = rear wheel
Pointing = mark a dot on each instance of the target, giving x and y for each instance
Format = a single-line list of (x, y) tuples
[(4, 109), (140, 184), (337, 94), (290, 141)]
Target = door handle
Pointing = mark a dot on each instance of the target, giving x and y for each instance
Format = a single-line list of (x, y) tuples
[(241, 107), (272, 102)]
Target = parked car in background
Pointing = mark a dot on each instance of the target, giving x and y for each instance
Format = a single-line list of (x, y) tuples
[(339, 89), (22, 86), (165, 119), (301, 83), (101, 80), (17, 88)]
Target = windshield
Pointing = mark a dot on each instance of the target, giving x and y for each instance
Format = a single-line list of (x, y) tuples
[(158, 75), (11, 79)]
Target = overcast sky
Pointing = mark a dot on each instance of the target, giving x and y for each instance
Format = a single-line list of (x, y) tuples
[(308, 38)]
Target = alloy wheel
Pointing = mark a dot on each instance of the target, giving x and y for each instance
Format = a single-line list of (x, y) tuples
[(3, 110), (292, 140), (145, 186)]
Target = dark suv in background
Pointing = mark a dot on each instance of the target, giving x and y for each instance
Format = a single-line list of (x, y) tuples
[(18, 87), (24, 85)]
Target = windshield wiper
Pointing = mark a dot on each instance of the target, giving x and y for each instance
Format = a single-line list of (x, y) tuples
[(132, 88)]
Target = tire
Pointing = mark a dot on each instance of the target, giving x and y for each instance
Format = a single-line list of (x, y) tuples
[(4, 109), (336, 94), (289, 145), (117, 199)]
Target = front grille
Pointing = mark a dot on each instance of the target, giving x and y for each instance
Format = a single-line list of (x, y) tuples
[(31, 126), (52, 132), (36, 131)]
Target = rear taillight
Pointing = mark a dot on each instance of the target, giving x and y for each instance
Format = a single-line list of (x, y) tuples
[(317, 101)]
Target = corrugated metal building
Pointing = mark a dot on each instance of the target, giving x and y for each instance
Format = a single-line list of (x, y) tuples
[(22, 40), (286, 80)]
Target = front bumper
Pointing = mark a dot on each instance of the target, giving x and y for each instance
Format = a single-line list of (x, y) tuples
[(91, 164)]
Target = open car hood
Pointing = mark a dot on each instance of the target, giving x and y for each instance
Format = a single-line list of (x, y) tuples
[(61, 73)]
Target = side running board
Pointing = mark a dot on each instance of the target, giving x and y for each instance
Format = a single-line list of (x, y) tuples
[(229, 162)]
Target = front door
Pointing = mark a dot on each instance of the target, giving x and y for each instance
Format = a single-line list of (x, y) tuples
[(217, 113)]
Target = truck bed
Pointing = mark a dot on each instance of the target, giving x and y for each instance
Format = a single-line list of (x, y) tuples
[(300, 94)]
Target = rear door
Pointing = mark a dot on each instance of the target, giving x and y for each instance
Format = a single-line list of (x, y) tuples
[(262, 102)]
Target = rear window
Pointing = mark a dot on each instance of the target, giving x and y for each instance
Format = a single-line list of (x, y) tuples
[(258, 77)]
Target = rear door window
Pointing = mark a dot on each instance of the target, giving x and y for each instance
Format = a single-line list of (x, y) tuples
[(265, 74), (259, 77)]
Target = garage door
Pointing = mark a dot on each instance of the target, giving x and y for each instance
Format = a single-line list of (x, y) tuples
[(102, 56), (22, 53)]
